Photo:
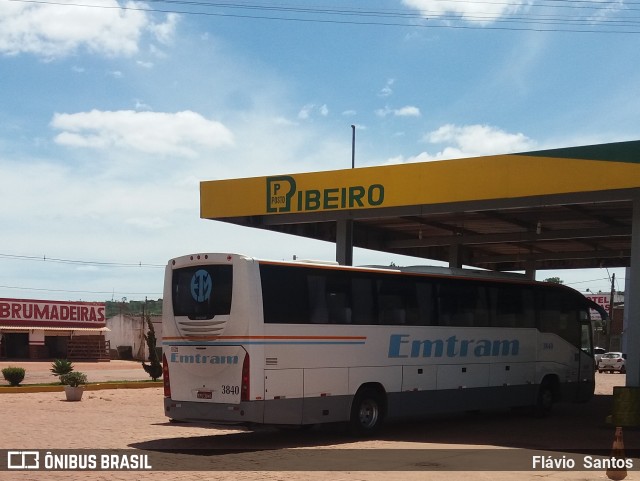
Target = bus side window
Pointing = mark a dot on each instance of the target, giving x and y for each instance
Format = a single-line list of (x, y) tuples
[(463, 303), (512, 306), (338, 298), (397, 301), (390, 303), (548, 313), (284, 295), (480, 308), (529, 308), (448, 309), (558, 314), (363, 302), (426, 304), (318, 313), (338, 308)]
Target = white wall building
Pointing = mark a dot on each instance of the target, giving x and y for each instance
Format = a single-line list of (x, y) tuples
[(127, 336)]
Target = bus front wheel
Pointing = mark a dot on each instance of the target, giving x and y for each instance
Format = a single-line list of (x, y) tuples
[(546, 397), (367, 412)]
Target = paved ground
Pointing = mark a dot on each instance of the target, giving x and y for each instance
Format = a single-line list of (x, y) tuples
[(134, 420)]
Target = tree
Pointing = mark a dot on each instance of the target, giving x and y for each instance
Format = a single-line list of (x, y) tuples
[(60, 367), (154, 368), (554, 280)]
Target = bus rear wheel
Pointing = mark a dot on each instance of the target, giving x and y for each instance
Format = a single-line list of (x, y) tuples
[(367, 412)]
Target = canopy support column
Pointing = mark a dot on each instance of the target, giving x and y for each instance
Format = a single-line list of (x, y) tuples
[(344, 242), (455, 256), (530, 271), (631, 339)]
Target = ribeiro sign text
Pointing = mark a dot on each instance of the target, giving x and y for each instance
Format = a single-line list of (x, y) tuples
[(284, 196)]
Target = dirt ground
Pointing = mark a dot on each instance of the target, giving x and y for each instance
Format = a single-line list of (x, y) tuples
[(438, 448)]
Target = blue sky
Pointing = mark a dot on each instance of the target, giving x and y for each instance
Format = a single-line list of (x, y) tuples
[(112, 113)]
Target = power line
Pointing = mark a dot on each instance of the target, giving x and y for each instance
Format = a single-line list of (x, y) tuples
[(584, 282), (57, 260), (393, 17), (72, 291)]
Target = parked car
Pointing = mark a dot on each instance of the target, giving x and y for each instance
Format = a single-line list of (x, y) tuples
[(613, 361), (597, 354)]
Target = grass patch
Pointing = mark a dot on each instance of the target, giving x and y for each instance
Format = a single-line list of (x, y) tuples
[(96, 386), (49, 384)]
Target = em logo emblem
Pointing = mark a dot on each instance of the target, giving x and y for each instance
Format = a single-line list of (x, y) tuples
[(201, 284)]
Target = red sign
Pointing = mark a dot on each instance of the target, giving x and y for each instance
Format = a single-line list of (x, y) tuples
[(29, 312)]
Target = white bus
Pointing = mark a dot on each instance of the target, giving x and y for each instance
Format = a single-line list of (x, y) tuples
[(248, 341)]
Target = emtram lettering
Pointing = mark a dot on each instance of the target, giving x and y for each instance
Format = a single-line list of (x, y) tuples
[(401, 346), (202, 359)]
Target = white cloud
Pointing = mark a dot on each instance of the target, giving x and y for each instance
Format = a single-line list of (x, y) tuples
[(140, 105), (88, 269), (93, 218), (421, 157), (477, 12), (307, 111), (479, 139), (56, 30), (406, 111), (164, 32), (181, 133), (151, 223), (387, 91), (283, 121), (469, 141)]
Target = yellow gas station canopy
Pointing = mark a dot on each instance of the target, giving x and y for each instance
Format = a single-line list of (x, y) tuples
[(562, 208)]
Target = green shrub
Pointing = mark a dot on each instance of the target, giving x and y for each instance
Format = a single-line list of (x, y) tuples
[(14, 375), (61, 366), (74, 379)]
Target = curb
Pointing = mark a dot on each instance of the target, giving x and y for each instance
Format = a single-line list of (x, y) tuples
[(88, 387)]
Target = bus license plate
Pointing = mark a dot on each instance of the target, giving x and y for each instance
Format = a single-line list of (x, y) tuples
[(204, 395)]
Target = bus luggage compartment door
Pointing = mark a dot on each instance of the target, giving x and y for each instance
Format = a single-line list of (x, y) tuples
[(283, 393), (203, 373)]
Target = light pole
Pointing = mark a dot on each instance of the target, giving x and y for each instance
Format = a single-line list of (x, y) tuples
[(353, 146)]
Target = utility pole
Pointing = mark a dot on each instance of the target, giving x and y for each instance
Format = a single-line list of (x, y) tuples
[(344, 227), (613, 293)]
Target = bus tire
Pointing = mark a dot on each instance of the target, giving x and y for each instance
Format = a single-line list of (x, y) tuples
[(367, 412), (545, 398)]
